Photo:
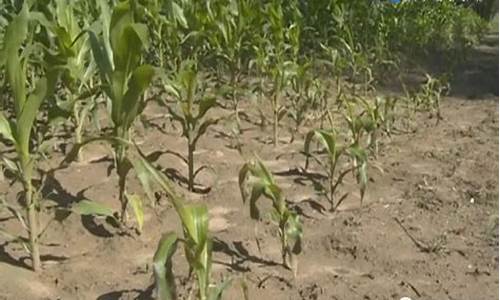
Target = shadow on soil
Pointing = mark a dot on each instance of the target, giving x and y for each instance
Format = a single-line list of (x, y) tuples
[(140, 294), (239, 256)]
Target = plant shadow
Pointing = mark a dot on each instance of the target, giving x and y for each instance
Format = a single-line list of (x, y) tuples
[(146, 294), (239, 256), (22, 262)]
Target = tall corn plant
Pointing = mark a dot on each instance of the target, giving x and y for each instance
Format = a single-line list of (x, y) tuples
[(231, 44), (73, 57), (124, 80), (279, 67), (254, 176), (192, 107), (18, 129)]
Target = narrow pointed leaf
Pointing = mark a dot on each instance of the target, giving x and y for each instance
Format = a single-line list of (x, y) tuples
[(162, 266), (93, 208)]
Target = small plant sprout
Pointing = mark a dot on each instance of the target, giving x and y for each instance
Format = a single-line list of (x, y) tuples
[(335, 172), (430, 95), (192, 107), (255, 177)]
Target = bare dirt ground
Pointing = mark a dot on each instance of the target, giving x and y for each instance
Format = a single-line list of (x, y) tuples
[(428, 228)]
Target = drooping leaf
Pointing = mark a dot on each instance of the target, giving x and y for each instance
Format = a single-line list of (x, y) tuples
[(92, 208)]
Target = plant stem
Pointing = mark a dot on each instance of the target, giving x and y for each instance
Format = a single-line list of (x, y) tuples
[(33, 226), (276, 119), (191, 148), (235, 101), (121, 170)]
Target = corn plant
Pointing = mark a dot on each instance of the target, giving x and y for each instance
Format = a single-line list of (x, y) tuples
[(18, 129), (335, 172), (279, 68), (231, 43), (196, 238), (256, 177), (307, 94), (192, 107), (167, 22), (430, 95), (198, 250), (72, 56), (124, 80)]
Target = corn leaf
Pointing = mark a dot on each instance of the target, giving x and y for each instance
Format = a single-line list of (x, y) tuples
[(14, 36), (162, 266), (138, 83), (93, 208), (138, 209), (28, 114), (5, 128)]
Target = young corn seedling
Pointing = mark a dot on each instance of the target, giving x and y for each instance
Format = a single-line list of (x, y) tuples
[(198, 251), (335, 172), (124, 80), (359, 125), (18, 129), (306, 95), (254, 176), (196, 239), (192, 107), (430, 96)]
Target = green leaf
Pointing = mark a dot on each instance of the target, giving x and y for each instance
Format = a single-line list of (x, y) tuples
[(148, 174), (10, 164), (203, 128), (195, 221), (15, 34), (138, 83), (92, 208), (178, 14), (138, 209), (205, 105), (257, 190), (5, 128), (127, 51), (102, 59), (28, 114), (294, 233), (162, 267)]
